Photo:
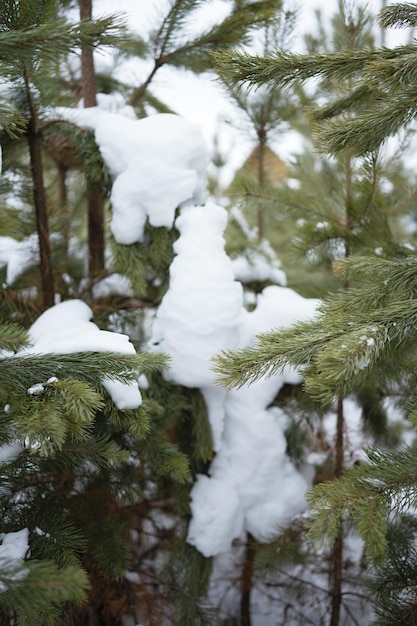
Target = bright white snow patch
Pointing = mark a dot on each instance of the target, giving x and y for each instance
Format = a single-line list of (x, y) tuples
[(190, 325), (18, 255), (202, 311), (66, 328), (157, 164), (112, 285), (12, 553), (252, 484)]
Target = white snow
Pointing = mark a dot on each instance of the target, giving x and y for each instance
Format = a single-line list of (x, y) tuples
[(66, 328), (18, 255), (9, 452), (158, 167), (259, 265), (261, 488), (258, 262), (157, 164), (202, 311), (252, 484), (36, 390), (13, 550), (112, 285)]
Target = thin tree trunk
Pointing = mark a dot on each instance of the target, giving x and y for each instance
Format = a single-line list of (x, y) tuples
[(39, 198), (88, 75), (64, 211), (247, 582), (95, 199), (138, 92), (95, 232), (5, 620), (337, 550), (261, 181)]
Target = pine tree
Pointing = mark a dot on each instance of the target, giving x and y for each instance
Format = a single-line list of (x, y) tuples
[(116, 478), (96, 234), (26, 30), (75, 466), (117, 470), (66, 450), (362, 337)]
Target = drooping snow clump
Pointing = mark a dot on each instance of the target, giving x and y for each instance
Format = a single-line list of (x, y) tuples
[(67, 328), (252, 484), (157, 165)]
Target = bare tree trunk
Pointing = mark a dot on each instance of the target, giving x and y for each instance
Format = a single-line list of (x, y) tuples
[(64, 211), (39, 198), (95, 197), (261, 181), (247, 582), (5, 620), (337, 551), (88, 74)]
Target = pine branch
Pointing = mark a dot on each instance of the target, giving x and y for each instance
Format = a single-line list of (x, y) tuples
[(42, 589), (11, 120), (233, 30), (54, 538), (99, 451), (367, 131), (352, 332), (401, 15), (273, 352), (60, 38), (339, 349), (174, 20), (13, 337), (357, 96), (285, 68), (367, 494), (196, 54), (22, 371), (397, 275)]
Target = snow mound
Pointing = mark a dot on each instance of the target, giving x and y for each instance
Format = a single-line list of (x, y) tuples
[(66, 328), (252, 484), (157, 164)]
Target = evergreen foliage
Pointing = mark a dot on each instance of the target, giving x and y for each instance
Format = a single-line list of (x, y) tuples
[(64, 472), (104, 493), (380, 98), (90, 472), (363, 335), (169, 44)]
